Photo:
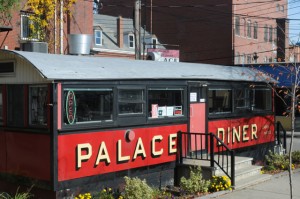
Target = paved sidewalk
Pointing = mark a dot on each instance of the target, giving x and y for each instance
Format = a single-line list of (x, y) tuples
[(276, 188)]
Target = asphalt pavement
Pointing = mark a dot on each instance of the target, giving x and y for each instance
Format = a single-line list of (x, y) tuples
[(276, 188)]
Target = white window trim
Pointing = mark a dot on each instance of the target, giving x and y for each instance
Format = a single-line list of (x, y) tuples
[(95, 37), (154, 39), (21, 29), (133, 42)]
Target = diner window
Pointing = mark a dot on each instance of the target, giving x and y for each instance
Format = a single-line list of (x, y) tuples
[(15, 105), (241, 99), (37, 105), (220, 101), (131, 101), (261, 99), (166, 102), (88, 105)]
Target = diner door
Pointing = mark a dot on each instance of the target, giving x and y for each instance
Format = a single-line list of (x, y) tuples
[(197, 116)]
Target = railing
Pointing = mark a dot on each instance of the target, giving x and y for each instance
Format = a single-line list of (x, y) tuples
[(280, 135), (207, 147)]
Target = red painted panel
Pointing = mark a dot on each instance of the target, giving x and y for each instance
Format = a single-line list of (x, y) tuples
[(197, 125), (143, 143), (244, 132), (28, 155)]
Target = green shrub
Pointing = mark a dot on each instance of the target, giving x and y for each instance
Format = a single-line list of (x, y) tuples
[(162, 194), (220, 183), (24, 195), (276, 162), (296, 157), (107, 194), (195, 184), (137, 188)]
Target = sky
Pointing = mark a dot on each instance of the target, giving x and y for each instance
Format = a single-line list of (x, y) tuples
[(294, 15)]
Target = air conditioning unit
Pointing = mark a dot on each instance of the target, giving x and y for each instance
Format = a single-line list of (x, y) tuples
[(41, 47)]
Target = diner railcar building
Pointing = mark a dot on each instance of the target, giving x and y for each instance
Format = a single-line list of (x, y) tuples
[(72, 124)]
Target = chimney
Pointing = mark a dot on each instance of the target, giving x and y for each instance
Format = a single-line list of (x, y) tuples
[(120, 32)]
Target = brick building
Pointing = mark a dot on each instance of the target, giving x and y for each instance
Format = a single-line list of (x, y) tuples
[(228, 32), (15, 33), (114, 37), (295, 52)]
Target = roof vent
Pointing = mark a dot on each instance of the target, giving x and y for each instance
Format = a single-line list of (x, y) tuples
[(80, 44), (41, 47)]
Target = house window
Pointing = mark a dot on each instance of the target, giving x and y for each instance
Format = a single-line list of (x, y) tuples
[(255, 27), (165, 102), (37, 105), (248, 59), (26, 29), (244, 27), (131, 40), (243, 59), (275, 35), (270, 34), (249, 29), (237, 58), (277, 7), (266, 33), (282, 8), (98, 37), (154, 43), (237, 25)]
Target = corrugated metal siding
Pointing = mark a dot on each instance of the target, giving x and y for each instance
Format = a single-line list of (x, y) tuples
[(25, 72)]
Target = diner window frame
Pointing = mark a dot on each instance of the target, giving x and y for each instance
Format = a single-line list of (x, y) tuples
[(181, 108)]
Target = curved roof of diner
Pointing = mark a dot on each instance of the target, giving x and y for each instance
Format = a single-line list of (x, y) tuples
[(69, 67)]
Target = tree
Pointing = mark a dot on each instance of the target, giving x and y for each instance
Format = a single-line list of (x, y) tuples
[(47, 15), (6, 7), (290, 96)]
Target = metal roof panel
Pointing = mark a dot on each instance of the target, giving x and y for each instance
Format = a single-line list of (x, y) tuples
[(70, 67)]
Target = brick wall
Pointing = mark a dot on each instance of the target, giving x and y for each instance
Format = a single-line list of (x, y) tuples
[(204, 30), (80, 22)]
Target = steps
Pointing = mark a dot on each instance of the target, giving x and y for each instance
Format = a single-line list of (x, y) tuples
[(246, 174)]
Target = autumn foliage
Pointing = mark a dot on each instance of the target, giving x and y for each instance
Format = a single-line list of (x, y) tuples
[(45, 12)]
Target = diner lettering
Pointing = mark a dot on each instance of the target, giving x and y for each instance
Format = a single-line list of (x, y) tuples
[(84, 151), (242, 133)]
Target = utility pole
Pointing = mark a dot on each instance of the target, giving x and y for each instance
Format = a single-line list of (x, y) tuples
[(137, 28)]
